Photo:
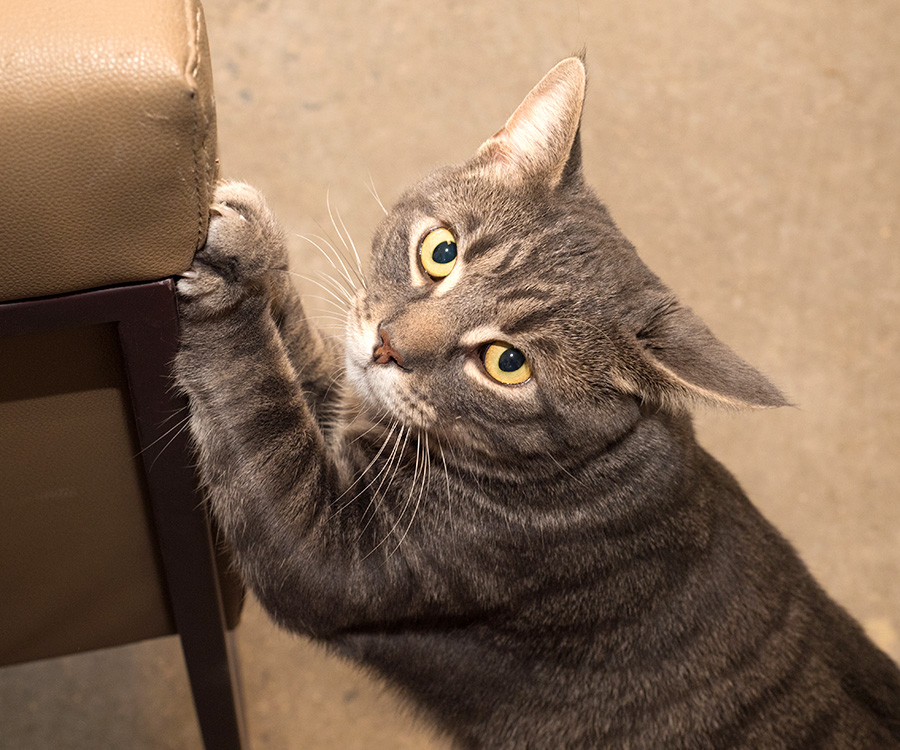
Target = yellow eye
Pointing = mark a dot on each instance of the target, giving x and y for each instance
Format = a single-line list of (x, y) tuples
[(506, 364), (438, 253)]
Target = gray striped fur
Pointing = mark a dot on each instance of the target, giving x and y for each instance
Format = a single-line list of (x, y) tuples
[(551, 565)]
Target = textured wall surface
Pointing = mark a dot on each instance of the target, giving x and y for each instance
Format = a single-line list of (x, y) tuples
[(749, 149)]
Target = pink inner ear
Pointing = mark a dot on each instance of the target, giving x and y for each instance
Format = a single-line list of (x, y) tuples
[(538, 137)]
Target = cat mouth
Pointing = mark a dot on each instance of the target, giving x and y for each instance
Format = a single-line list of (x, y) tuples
[(377, 378), (382, 388)]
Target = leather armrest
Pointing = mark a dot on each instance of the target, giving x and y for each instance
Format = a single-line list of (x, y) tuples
[(107, 142)]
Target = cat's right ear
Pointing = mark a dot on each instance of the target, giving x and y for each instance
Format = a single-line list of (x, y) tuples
[(540, 140)]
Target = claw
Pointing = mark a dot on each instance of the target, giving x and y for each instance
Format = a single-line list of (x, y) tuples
[(223, 209), (189, 274)]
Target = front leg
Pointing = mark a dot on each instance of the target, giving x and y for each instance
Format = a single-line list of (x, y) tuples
[(252, 244), (315, 359), (271, 482)]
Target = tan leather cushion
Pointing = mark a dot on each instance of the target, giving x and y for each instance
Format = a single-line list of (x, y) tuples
[(107, 142)]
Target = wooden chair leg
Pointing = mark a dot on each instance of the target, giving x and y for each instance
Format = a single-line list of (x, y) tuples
[(149, 342)]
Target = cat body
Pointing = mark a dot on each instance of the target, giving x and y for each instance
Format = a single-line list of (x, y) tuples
[(501, 508)]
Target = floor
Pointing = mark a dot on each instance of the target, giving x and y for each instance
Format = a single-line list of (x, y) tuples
[(751, 152)]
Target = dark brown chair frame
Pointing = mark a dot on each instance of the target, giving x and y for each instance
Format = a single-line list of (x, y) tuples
[(146, 319)]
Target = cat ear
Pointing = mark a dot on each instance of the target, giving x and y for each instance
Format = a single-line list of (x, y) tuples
[(542, 134), (683, 362)]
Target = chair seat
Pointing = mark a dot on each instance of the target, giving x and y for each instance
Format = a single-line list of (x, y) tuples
[(107, 141)]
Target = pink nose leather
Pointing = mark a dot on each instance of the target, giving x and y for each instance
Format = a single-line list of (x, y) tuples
[(385, 353)]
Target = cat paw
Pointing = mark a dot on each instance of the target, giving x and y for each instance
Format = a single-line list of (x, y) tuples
[(244, 245)]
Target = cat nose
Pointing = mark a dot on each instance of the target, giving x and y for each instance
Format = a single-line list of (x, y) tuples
[(385, 353)]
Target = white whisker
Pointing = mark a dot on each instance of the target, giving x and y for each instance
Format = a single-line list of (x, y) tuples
[(404, 431), (341, 307), (338, 231), (175, 412), (337, 285), (337, 379), (332, 316), (185, 423), (362, 474), (374, 192), (341, 295), (408, 500), (375, 425), (426, 471), (343, 269), (308, 238), (352, 245), (447, 477), (179, 423), (348, 266)]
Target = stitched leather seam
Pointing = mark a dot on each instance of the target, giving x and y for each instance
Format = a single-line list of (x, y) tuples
[(193, 66)]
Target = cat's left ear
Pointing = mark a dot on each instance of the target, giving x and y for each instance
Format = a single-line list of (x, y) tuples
[(680, 362), (541, 138)]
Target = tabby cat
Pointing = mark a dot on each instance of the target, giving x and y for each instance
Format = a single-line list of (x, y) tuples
[(493, 496)]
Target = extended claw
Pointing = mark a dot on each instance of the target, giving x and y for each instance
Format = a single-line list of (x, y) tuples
[(223, 209)]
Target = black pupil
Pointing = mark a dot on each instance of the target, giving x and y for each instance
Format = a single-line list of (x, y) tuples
[(444, 253), (511, 360)]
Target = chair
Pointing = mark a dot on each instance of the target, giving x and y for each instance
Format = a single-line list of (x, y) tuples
[(107, 165)]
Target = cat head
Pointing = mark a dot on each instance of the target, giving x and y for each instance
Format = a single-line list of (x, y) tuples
[(506, 311)]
